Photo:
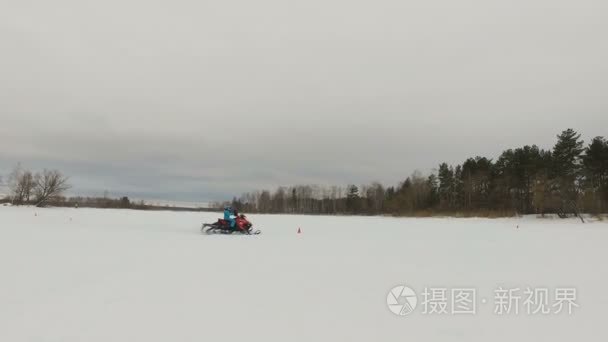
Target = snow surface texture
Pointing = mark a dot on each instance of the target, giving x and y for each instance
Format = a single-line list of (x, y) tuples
[(122, 275)]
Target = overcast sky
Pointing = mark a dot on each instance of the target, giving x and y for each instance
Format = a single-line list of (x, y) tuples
[(200, 100)]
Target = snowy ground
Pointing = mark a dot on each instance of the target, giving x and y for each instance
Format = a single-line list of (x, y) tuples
[(120, 275)]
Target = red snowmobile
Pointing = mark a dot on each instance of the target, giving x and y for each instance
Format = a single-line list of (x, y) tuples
[(242, 226)]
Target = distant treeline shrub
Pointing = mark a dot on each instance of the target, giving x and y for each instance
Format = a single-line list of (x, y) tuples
[(570, 178)]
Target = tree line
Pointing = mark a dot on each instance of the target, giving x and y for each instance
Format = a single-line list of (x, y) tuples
[(37, 188), (47, 188), (571, 177)]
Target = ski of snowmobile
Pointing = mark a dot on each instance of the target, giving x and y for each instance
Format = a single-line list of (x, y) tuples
[(214, 229)]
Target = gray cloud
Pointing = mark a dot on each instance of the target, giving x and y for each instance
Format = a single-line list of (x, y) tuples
[(201, 100)]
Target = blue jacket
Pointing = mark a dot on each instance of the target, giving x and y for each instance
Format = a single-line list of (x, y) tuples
[(229, 216), (227, 213)]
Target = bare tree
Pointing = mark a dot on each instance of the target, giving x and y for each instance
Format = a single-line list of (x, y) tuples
[(375, 195), (50, 184), (21, 185), (2, 185)]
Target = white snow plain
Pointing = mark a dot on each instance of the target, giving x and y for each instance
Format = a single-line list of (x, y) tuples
[(124, 275)]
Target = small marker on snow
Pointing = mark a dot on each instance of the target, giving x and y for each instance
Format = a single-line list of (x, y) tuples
[(299, 230)]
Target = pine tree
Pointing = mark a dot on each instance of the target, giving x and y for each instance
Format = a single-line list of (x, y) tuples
[(595, 163), (458, 188), (446, 186), (516, 174), (294, 200), (567, 163), (433, 185), (352, 199)]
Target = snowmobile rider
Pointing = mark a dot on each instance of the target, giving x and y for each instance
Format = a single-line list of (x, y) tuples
[(230, 215)]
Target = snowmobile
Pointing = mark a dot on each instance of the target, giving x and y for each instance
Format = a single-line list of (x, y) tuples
[(242, 226)]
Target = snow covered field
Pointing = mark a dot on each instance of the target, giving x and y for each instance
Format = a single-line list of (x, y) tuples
[(121, 275)]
